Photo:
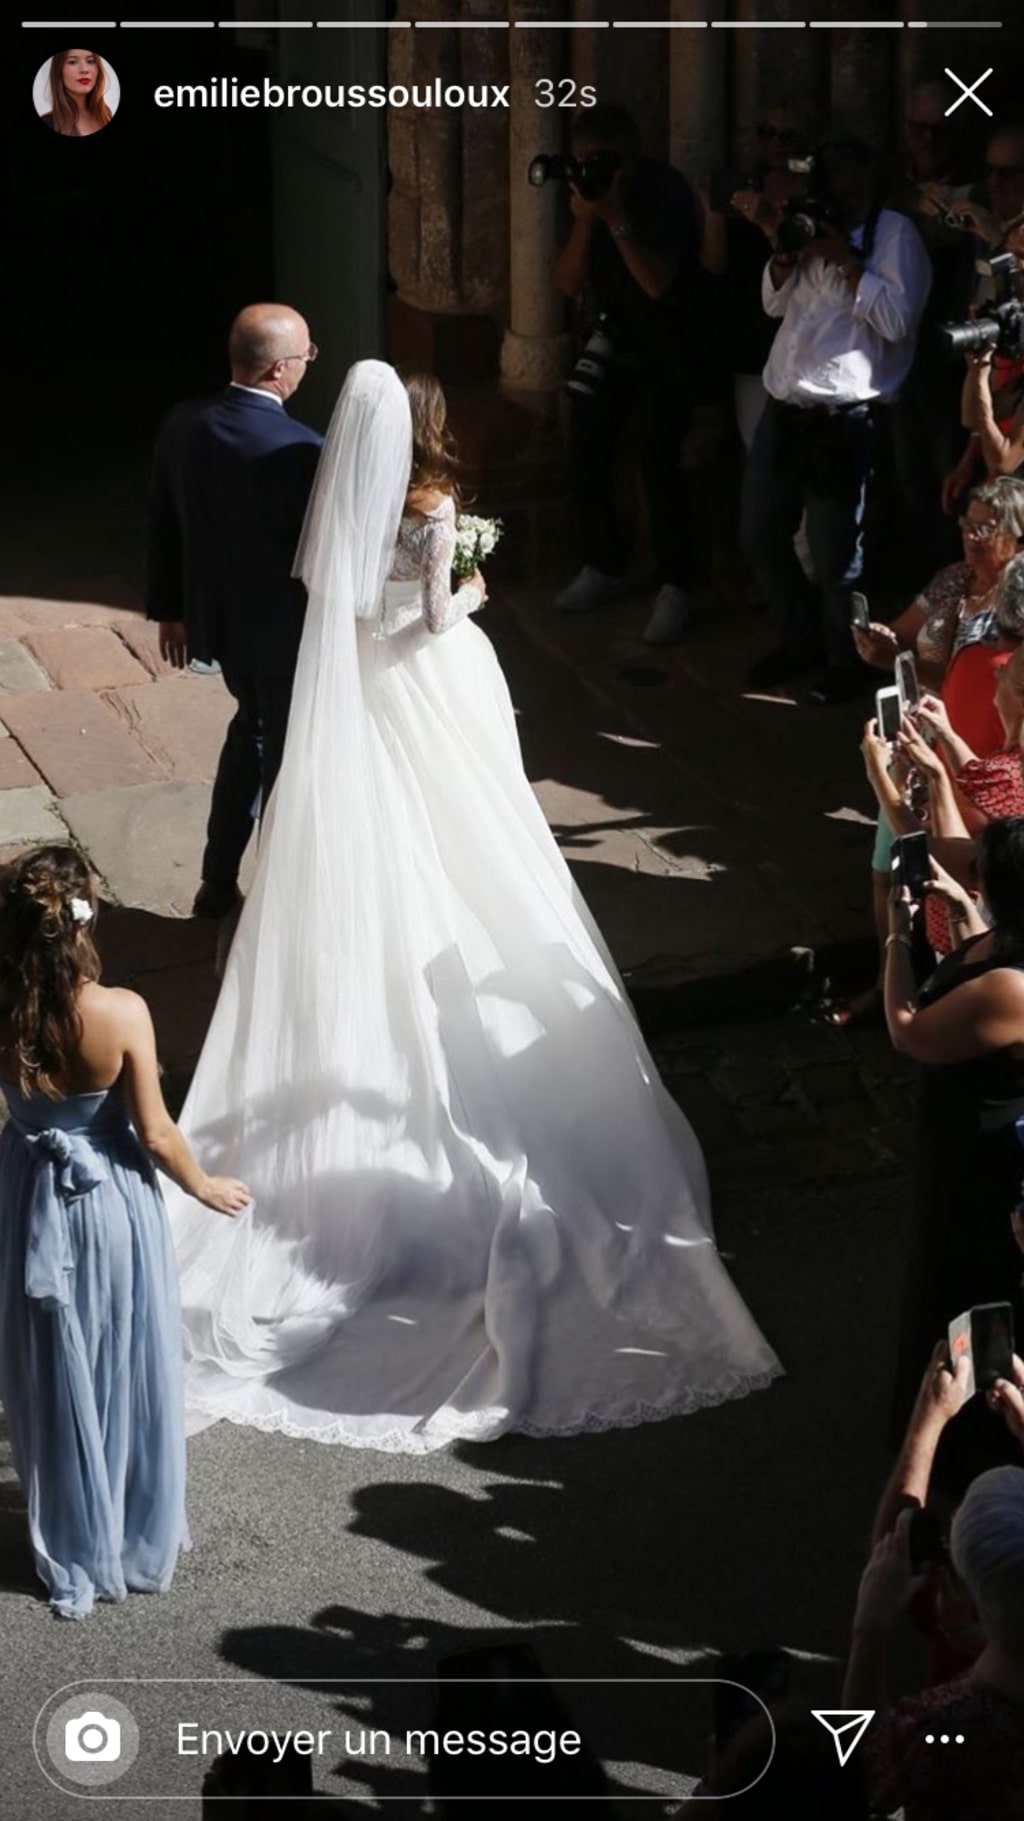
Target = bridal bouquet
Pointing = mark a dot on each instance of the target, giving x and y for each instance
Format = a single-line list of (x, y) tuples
[(475, 538)]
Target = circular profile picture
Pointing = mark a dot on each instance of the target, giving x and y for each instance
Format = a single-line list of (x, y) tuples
[(76, 93)]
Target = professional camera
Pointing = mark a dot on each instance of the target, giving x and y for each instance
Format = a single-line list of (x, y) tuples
[(999, 325), (596, 361), (805, 218), (591, 175)]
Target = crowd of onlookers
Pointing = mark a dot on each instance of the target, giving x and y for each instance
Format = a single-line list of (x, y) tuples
[(810, 291)]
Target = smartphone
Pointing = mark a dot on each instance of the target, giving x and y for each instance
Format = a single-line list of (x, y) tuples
[(910, 864), (906, 681), (984, 1335), (889, 712), (860, 612), (763, 1673), (927, 1543)]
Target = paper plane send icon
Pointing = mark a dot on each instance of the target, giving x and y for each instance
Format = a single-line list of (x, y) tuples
[(847, 1726)]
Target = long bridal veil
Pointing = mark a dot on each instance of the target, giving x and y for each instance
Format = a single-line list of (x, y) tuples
[(292, 1062), (475, 1207)]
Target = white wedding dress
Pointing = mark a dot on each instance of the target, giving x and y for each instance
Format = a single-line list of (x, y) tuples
[(476, 1208)]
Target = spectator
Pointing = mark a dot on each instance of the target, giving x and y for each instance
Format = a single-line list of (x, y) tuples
[(993, 393), (924, 421), (633, 255), (1004, 187), (995, 228), (732, 247), (968, 791), (850, 302), (985, 1706), (965, 792), (965, 1029), (955, 613)]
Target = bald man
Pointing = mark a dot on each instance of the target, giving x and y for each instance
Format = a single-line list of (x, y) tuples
[(231, 479)]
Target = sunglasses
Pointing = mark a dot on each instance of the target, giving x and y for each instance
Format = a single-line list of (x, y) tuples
[(1004, 170)]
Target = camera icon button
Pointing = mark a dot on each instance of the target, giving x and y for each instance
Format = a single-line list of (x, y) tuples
[(91, 1739)]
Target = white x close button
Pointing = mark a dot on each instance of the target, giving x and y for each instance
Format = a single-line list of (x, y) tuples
[(968, 93)]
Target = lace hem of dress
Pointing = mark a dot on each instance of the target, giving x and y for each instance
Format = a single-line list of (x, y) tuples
[(489, 1425)]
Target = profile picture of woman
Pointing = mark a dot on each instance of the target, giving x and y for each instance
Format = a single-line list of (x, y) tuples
[(76, 93)]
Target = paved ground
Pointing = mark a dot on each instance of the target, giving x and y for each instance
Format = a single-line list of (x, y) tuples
[(709, 833)]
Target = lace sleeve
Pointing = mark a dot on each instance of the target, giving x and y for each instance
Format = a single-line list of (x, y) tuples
[(441, 608)]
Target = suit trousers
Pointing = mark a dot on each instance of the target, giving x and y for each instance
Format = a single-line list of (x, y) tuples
[(248, 766)]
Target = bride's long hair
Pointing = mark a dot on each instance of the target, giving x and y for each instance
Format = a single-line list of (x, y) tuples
[(434, 457)]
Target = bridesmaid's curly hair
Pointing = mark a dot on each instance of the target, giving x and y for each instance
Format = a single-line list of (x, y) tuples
[(45, 956), (434, 459)]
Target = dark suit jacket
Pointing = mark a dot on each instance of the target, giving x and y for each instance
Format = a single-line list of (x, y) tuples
[(231, 479)]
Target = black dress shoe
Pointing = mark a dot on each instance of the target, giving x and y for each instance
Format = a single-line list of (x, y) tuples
[(839, 683), (777, 667), (215, 901)]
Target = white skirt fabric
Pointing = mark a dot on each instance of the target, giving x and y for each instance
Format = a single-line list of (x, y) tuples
[(491, 1215)]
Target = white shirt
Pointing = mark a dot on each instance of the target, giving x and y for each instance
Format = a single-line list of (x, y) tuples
[(835, 348), (236, 385)]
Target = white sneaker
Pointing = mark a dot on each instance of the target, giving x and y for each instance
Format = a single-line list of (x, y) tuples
[(669, 617), (591, 588)]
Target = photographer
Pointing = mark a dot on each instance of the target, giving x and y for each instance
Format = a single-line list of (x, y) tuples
[(633, 255), (993, 394), (849, 280), (992, 403)]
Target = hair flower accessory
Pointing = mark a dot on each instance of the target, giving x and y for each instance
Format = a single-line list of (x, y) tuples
[(81, 910)]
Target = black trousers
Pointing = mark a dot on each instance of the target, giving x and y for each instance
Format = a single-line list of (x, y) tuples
[(815, 464), (249, 763), (661, 412)]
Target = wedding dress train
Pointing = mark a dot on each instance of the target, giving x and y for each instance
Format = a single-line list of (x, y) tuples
[(476, 1208)]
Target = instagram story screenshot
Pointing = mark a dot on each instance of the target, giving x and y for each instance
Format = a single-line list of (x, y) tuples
[(512, 912)]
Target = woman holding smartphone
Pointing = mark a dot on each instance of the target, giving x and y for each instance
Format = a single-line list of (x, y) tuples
[(965, 1029), (953, 632)]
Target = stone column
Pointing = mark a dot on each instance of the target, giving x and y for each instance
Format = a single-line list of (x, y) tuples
[(535, 350), (697, 94), (862, 64)]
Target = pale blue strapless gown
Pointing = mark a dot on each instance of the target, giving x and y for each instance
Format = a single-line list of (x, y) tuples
[(90, 1349)]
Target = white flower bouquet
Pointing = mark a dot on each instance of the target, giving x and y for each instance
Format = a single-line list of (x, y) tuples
[(475, 539)]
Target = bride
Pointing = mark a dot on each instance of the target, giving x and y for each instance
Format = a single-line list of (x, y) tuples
[(475, 1207)]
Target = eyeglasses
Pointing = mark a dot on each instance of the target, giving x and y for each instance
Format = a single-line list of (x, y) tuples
[(983, 531), (1004, 170), (310, 355)]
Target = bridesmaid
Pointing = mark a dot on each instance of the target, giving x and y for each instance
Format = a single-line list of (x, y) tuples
[(90, 1327)]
